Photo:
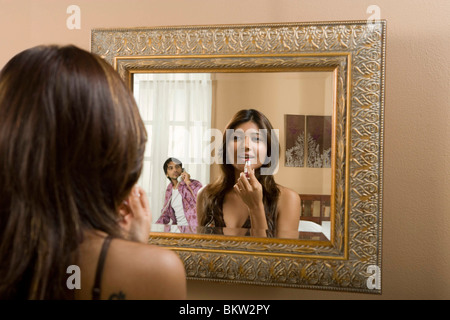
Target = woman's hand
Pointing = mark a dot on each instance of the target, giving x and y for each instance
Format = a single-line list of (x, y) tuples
[(250, 190), (136, 215)]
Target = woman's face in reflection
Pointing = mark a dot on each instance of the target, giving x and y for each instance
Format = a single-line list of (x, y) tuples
[(247, 142)]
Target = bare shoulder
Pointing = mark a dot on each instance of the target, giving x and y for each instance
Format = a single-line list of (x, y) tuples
[(143, 271), (288, 213), (288, 196), (288, 204)]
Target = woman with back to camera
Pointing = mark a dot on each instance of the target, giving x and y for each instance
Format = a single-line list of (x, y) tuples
[(246, 194), (72, 145)]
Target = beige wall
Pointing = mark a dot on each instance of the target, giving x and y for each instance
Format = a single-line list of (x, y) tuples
[(416, 220)]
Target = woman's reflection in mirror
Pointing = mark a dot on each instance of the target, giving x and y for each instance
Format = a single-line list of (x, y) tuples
[(73, 222), (180, 202), (256, 203)]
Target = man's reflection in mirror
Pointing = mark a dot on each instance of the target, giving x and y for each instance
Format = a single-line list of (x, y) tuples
[(246, 196), (181, 197)]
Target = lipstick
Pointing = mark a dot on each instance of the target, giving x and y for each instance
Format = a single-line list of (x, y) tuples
[(248, 164)]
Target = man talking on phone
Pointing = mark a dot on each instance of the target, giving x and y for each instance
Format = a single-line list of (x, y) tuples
[(180, 203)]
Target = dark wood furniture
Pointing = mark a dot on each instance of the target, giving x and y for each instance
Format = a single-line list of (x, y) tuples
[(315, 207)]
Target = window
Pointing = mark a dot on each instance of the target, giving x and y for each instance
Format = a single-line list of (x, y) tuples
[(176, 109)]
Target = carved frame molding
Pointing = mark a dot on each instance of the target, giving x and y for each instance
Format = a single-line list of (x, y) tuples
[(355, 52)]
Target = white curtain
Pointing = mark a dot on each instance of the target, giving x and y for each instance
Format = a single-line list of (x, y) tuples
[(176, 109)]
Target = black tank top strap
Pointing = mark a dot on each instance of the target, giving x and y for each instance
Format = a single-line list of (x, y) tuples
[(96, 290), (247, 224)]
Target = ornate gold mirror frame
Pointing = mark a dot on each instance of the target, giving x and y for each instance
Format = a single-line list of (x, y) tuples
[(355, 52)]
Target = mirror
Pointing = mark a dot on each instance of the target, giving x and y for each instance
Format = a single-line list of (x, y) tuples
[(351, 56), (189, 111)]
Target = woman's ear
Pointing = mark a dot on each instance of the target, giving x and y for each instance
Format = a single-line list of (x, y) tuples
[(125, 217)]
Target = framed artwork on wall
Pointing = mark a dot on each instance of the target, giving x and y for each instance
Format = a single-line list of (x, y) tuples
[(318, 146), (295, 140), (308, 141)]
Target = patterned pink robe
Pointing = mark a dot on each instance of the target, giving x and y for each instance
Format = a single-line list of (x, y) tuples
[(189, 203)]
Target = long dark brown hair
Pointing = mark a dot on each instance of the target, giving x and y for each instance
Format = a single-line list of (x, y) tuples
[(71, 146), (216, 191)]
